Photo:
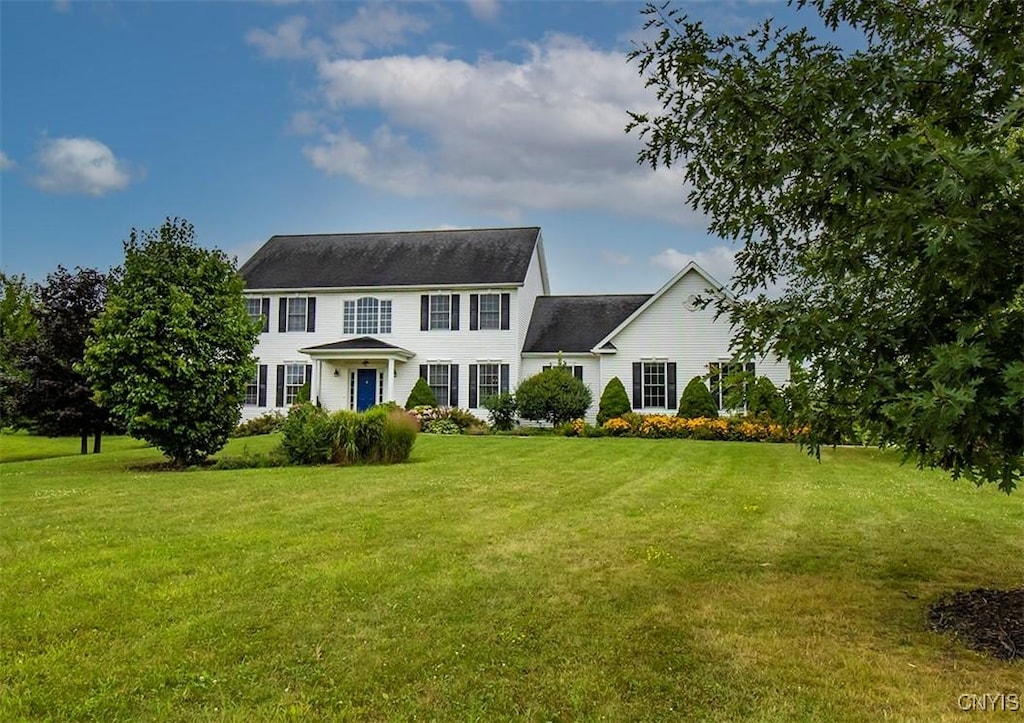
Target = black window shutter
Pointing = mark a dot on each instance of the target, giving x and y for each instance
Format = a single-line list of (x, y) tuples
[(505, 310), (577, 371), (424, 314), (282, 316), (309, 379), (280, 385), (423, 371), (455, 312), (474, 312), (261, 399), (670, 375), (265, 310), (504, 379), (453, 385), (638, 385), (473, 402), (311, 313)]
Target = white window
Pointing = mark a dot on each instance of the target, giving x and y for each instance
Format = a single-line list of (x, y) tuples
[(440, 311), (724, 377), (367, 316), (488, 381), (296, 314), (437, 378), (254, 307), (252, 389), (294, 378), (490, 311), (655, 384)]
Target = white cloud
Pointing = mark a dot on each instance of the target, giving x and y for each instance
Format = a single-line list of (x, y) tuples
[(543, 133), (374, 26), (286, 41), (486, 10), (616, 259), (719, 261), (6, 162), (80, 165)]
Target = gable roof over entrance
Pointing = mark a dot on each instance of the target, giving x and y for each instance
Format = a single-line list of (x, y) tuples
[(403, 258), (576, 323)]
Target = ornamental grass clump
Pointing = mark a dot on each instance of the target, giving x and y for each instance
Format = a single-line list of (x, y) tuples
[(377, 436)]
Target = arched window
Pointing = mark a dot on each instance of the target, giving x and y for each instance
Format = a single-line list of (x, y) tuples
[(367, 315)]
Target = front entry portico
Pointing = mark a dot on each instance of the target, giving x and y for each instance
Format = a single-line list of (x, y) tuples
[(354, 373)]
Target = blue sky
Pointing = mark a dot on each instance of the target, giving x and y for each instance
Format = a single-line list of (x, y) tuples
[(252, 119)]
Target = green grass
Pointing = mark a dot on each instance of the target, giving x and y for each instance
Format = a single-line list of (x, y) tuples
[(495, 578)]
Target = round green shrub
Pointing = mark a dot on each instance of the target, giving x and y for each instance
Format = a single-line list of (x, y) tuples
[(697, 401), (502, 410), (554, 395), (765, 399), (614, 401), (307, 435)]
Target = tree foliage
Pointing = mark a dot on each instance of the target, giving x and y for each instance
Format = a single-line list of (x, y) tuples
[(47, 393), (17, 326), (614, 401), (502, 410), (696, 401), (553, 395), (883, 188), (764, 398), (172, 353)]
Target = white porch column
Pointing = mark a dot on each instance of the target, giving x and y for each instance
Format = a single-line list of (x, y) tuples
[(314, 383), (389, 383)]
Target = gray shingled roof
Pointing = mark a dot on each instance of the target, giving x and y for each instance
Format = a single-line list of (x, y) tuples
[(361, 343), (402, 258), (577, 323)]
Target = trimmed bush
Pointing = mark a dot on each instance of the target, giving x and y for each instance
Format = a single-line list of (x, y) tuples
[(442, 426), (421, 395), (502, 411), (554, 395), (697, 402), (614, 401)]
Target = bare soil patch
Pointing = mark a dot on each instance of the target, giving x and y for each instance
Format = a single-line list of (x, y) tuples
[(991, 621)]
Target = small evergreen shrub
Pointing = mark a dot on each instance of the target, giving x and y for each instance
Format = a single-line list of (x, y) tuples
[(303, 395), (264, 424), (421, 395), (307, 435), (614, 401), (697, 401), (502, 409)]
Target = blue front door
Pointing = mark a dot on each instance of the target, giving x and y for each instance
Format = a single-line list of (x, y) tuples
[(366, 389)]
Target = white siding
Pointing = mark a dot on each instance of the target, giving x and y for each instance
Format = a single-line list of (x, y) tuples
[(669, 330)]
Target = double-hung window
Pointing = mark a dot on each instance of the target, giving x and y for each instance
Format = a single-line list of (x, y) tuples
[(254, 308), (294, 378), (367, 315), (488, 381), (438, 379), (490, 311), (440, 311), (655, 384), (252, 389), (296, 314)]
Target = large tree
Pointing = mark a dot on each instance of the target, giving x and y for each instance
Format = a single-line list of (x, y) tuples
[(881, 186), (46, 391), (172, 353), (17, 327)]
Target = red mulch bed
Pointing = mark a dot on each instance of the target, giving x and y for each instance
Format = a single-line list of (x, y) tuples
[(991, 621)]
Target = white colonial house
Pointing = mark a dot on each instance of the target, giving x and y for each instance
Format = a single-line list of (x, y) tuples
[(361, 317)]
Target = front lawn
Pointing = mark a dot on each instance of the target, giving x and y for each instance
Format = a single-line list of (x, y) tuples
[(496, 578)]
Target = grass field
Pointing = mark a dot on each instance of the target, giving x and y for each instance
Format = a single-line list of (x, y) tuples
[(495, 578)]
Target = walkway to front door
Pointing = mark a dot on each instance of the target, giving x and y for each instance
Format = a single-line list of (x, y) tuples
[(366, 389)]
